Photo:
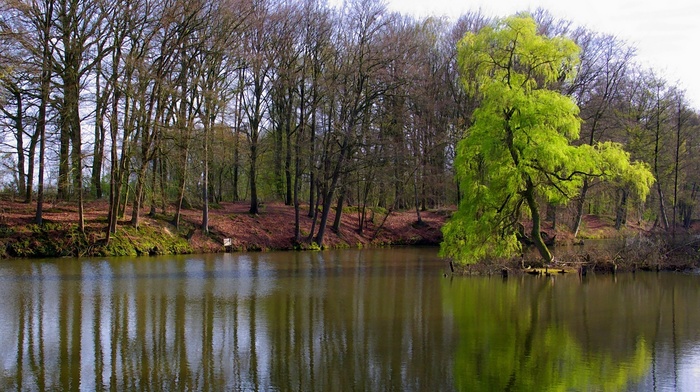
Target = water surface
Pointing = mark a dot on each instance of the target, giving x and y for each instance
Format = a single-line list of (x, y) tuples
[(383, 319)]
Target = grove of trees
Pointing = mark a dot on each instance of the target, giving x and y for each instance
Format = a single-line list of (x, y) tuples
[(165, 105), (518, 150)]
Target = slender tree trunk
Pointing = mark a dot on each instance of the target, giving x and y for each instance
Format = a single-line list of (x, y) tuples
[(328, 194), (417, 201), (71, 116), (205, 187), (277, 161), (115, 172), (312, 163), (138, 194), (529, 194), (19, 129), (288, 167), (314, 218), (657, 142), (99, 136), (237, 138), (236, 166), (154, 184), (676, 165), (63, 161), (621, 213), (580, 203), (30, 167), (662, 206), (253, 184), (181, 188), (339, 206), (297, 155), (45, 87), (162, 175), (124, 199)]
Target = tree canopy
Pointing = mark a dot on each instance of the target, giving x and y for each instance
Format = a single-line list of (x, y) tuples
[(519, 150), (162, 107)]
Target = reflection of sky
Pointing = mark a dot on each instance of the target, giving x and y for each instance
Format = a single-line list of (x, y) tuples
[(674, 373), (689, 368)]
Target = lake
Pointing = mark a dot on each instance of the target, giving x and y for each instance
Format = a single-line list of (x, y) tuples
[(364, 320)]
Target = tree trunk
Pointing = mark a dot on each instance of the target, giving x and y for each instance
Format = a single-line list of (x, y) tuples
[(19, 137), (676, 165), (621, 213), (205, 187), (529, 194), (312, 162), (181, 188), (236, 166), (236, 139), (339, 207), (138, 195), (63, 161), (71, 118), (154, 185), (253, 187), (297, 157), (657, 142), (30, 167), (288, 166), (328, 195), (662, 205), (99, 136), (115, 164), (277, 161), (416, 200), (44, 100), (580, 203)]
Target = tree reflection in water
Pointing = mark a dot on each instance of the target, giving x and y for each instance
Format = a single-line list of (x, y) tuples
[(344, 320), (277, 321)]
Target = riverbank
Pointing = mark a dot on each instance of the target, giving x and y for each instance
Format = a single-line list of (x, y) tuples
[(271, 229), (641, 251), (637, 247)]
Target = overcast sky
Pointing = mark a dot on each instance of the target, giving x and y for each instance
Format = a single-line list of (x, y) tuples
[(666, 33)]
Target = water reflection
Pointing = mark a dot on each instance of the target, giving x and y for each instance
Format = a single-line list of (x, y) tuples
[(279, 321), (346, 320), (603, 333)]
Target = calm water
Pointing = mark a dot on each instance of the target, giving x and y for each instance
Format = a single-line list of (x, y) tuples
[(365, 320)]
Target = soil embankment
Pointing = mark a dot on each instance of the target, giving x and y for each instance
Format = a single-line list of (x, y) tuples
[(272, 229)]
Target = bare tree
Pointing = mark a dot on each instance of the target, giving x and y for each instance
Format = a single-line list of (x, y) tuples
[(604, 62)]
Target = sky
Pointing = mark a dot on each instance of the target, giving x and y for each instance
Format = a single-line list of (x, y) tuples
[(666, 33)]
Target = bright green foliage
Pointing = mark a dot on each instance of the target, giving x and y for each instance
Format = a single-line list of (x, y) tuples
[(518, 150)]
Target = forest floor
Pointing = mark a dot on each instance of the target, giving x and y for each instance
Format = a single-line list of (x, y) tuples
[(273, 229)]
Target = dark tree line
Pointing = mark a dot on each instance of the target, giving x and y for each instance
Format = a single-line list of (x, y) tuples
[(162, 105)]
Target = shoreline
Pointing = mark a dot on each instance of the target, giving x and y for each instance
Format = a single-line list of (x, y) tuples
[(272, 230)]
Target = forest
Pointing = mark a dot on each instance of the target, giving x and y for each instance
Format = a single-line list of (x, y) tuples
[(167, 105)]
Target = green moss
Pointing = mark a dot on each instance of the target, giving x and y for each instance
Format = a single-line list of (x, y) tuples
[(48, 240), (146, 240), (6, 231)]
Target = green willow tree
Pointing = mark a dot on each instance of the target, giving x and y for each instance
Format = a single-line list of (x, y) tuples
[(518, 152)]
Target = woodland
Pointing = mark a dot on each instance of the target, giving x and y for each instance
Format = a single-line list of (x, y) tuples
[(166, 106)]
